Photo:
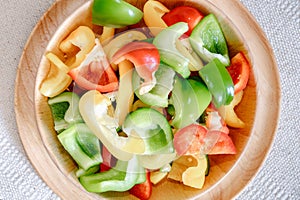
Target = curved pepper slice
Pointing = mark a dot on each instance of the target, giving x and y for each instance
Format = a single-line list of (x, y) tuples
[(115, 13), (158, 96), (57, 79), (153, 12), (189, 98), (95, 73), (84, 39), (145, 58), (153, 128), (65, 111), (228, 113), (121, 178), (165, 41), (208, 40), (186, 14), (218, 81)]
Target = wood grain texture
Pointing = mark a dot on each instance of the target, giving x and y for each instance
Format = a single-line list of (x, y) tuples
[(229, 174)]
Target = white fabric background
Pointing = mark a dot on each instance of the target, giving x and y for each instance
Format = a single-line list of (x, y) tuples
[(278, 179)]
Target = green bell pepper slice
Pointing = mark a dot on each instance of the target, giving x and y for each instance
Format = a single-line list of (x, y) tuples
[(82, 145), (153, 128), (165, 41), (120, 178), (158, 95), (218, 81), (190, 98), (115, 13), (208, 41), (65, 111)]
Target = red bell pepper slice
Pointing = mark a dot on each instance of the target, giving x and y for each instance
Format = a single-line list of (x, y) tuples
[(146, 59), (107, 158), (142, 191), (239, 71), (97, 75), (195, 139), (186, 14)]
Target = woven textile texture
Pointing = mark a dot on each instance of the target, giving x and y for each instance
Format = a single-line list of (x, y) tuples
[(279, 177)]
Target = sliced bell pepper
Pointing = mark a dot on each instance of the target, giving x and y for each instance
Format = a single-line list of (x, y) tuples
[(229, 114), (121, 178), (153, 128), (95, 73), (83, 38), (218, 81), (158, 95), (96, 110), (153, 12), (196, 139), (239, 71), (57, 79), (189, 169), (65, 110), (121, 40), (143, 190), (125, 94), (189, 98), (115, 13), (186, 14), (82, 145), (208, 40), (145, 58), (165, 41)]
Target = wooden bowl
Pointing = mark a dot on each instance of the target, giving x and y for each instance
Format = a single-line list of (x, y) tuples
[(228, 175)]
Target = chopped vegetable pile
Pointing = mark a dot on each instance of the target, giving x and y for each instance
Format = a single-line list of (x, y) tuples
[(148, 104)]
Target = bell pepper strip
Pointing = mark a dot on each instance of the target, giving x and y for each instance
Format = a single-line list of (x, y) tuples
[(95, 73), (107, 160), (195, 176), (214, 120), (65, 111), (186, 14), (184, 46), (120, 178), (196, 139), (189, 98), (57, 80), (153, 12), (151, 127), (145, 58), (97, 111), (115, 13), (81, 172), (218, 81), (239, 71), (228, 113), (189, 169), (83, 38), (82, 145), (208, 40), (165, 41), (224, 144), (107, 34), (158, 95), (143, 190), (125, 94), (121, 40)]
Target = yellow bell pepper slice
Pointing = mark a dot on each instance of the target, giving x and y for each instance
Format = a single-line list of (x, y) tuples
[(153, 12), (83, 38), (57, 79), (228, 113)]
